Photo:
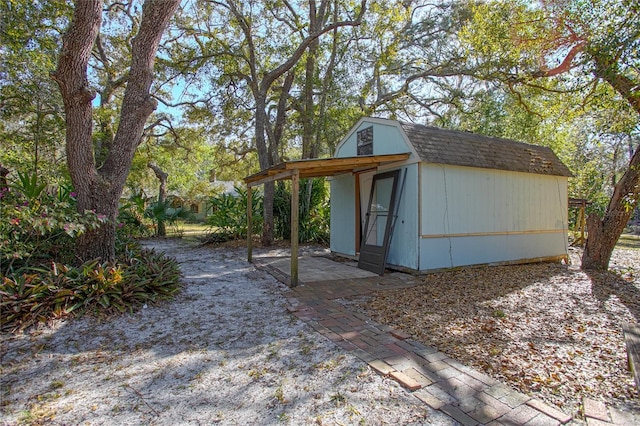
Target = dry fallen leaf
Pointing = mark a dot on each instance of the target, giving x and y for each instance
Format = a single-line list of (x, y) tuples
[(549, 330)]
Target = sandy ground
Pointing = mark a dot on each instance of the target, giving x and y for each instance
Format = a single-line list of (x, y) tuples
[(226, 351)]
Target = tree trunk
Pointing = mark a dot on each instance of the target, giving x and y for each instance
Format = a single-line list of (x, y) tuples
[(275, 133), (308, 111), (604, 234), (3, 177), (98, 243), (266, 160), (162, 195), (101, 190), (71, 76)]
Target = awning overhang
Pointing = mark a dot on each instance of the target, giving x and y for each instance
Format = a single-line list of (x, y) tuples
[(319, 167), (301, 169)]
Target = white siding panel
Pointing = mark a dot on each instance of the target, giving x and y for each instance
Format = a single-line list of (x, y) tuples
[(343, 214), (436, 253), (463, 200), (433, 200), (404, 243), (475, 216)]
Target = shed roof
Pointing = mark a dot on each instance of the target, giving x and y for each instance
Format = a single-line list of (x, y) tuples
[(442, 146)]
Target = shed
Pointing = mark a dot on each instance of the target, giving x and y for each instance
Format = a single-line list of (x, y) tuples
[(459, 199)]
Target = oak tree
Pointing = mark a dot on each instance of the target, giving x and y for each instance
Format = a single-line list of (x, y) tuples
[(31, 116), (100, 188), (255, 48), (576, 46)]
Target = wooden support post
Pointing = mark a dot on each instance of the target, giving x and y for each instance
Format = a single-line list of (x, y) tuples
[(249, 226), (295, 194), (583, 223), (358, 236)]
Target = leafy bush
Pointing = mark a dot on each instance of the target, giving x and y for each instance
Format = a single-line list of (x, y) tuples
[(228, 219), (38, 226), (28, 185), (39, 295), (314, 211), (134, 225), (131, 217), (163, 212), (315, 227)]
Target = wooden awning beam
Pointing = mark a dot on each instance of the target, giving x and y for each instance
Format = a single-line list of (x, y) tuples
[(323, 167), (287, 174)]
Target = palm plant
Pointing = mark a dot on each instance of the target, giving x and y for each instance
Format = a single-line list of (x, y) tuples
[(162, 213)]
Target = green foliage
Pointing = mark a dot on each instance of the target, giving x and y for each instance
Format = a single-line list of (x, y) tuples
[(65, 193), (164, 212), (313, 213), (39, 294), (131, 217), (29, 185), (31, 119), (37, 227), (228, 219), (184, 154)]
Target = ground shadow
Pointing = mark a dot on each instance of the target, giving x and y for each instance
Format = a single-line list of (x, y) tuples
[(605, 285), (629, 241)]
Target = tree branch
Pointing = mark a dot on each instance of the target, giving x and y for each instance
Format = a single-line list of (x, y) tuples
[(566, 65)]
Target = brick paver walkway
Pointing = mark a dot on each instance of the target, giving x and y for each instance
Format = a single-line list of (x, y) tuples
[(468, 396)]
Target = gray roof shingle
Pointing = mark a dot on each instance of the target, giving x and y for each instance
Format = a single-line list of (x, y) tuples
[(442, 146)]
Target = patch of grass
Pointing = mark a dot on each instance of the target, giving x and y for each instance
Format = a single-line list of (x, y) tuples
[(57, 384), (495, 351), (338, 399), (256, 374), (283, 417), (273, 351), (331, 364), (36, 415), (343, 377), (498, 313), (26, 418), (198, 376), (353, 411), (279, 395), (187, 229), (363, 372), (306, 349), (629, 241)]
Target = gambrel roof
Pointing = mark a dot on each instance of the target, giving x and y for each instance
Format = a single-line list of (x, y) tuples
[(442, 146)]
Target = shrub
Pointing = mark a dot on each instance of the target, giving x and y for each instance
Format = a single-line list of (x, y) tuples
[(163, 212), (228, 219), (314, 212), (38, 226), (38, 295), (131, 217), (28, 185)]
